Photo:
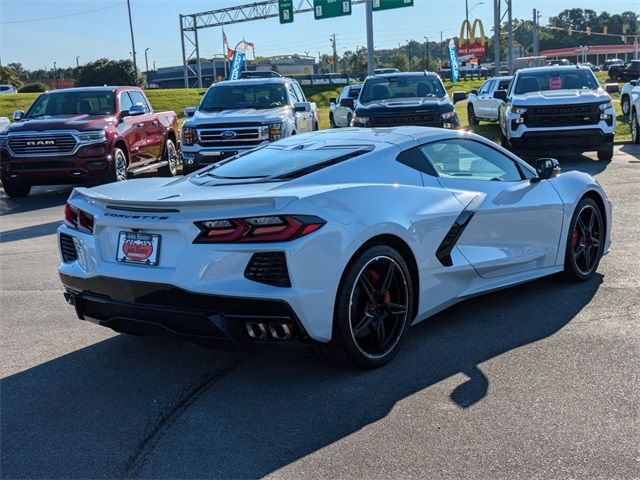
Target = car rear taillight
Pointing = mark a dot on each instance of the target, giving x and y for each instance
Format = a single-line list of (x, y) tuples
[(277, 228), (78, 219)]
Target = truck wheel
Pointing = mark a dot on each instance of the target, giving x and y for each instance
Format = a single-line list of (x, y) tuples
[(332, 122), (471, 115), (349, 118), (607, 154), (15, 189), (120, 164), (170, 156), (635, 128), (625, 105), (504, 143)]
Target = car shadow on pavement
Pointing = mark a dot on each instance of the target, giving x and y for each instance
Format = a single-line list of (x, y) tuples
[(40, 197), (167, 409), (32, 231), (633, 150)]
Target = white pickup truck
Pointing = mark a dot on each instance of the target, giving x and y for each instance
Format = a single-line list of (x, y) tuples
[(239, 115), (482, 105), (555, 110)]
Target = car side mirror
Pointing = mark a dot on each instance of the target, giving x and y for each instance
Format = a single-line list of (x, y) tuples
[(302, 107), (547, 168), (189, 112), (500, 95), (18, 115), (459, 96), (633, 83), (347, 102), (474, 92), (611, 88), (332, 100)]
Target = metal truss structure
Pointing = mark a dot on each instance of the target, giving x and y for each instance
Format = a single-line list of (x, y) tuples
[(191, 23)]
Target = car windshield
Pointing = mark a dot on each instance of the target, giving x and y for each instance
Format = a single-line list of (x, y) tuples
[(278, 163), (573, 79), (73, 103), (244, 96), (387, 88)]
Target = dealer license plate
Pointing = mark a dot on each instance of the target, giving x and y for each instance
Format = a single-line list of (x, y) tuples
[(139, 248)]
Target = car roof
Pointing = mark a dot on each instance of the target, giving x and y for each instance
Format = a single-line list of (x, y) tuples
[(256, 81), (506, 77), (403, 74), (93, 89), (554, 68)]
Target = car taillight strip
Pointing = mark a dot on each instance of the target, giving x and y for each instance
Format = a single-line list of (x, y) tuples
[(277, 228), (78, 219)]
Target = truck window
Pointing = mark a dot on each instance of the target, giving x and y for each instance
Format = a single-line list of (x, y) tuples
[(298, 90), (293, 94), (386, 88), (139, 99), (570, 79), (125, 102), (227, 97)]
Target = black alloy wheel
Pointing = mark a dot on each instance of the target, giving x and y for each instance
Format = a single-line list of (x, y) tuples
[(586, 241), (373, 309)]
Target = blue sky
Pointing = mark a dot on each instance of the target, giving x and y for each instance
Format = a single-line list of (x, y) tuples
[(105, 32)]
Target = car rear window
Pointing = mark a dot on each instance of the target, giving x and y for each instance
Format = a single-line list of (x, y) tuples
[(278, 163)]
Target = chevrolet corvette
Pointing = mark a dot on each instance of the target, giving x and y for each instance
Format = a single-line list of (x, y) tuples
[(339, 239)]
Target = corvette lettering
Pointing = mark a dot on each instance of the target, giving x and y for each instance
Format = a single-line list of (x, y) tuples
[(135, 217)]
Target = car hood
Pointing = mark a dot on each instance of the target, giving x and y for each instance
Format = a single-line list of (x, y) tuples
[(62, 122), (400, 105), (558, 97), (241, 115)]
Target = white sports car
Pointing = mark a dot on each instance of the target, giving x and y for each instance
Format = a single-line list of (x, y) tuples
[(340, 239)]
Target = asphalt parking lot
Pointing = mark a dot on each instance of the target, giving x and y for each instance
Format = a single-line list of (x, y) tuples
[(541, 380)]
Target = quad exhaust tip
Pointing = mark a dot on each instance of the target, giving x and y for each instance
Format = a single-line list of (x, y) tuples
[(275, 330)]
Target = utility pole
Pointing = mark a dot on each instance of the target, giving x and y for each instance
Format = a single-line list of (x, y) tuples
[(77, 61), (441, 56), (510, 36), (184, 58), (370, 53), (133, 43), (536, 45), (335, 52), (496, 36), (466, 10), (426, 41)]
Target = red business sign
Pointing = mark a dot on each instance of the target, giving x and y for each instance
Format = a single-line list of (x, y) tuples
[(477, 49)]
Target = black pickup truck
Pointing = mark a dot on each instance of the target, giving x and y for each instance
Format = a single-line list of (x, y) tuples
[(412, 98)]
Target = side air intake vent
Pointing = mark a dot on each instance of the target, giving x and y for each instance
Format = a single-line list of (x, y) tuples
[(67, 248), (269, 268)]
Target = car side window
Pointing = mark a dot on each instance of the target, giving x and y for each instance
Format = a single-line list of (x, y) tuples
[(138, 99), (293, 94), (484, 88), (470, 160), (298, 90), (125, 102)]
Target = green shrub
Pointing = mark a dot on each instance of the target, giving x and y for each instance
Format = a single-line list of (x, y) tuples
[(34, 88)]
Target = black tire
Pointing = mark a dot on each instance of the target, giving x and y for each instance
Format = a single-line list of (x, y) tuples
[(376, 291), (625, 105), (585, 241), (635, 127), (15, 189), (169, 155), (471, 115), (119, 166), (349, 118), (315, 126), (504, 143), (332, 122), (606, 154)]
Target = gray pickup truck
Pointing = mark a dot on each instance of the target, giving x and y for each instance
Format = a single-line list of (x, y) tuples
[(238, 115)]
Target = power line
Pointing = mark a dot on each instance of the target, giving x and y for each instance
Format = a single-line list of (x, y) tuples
[(63, 16)]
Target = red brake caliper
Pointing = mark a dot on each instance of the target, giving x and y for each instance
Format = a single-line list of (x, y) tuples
[(375, 278), (574, 238)]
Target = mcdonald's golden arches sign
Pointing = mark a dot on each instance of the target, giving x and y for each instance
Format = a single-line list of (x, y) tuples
[(468, 43)]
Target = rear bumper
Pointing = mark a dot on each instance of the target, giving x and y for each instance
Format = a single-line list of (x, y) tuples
[(88, 165), (580, 140), (144, 308)]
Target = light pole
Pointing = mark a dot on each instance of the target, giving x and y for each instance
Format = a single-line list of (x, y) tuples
[(469, 10), (77, 61), (146, 64), (133, 43), (426, 40), (55, 75)]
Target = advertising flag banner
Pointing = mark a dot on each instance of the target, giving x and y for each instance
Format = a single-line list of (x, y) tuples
[(453, 61), (237, 63)]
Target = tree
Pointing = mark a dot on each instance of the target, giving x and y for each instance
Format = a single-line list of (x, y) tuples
[(400, 61), (9, 76), (108, 72)]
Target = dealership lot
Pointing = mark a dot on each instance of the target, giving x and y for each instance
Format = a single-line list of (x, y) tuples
[(537, 381)]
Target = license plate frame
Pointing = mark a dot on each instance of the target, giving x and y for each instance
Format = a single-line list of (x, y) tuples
[(143, 248)]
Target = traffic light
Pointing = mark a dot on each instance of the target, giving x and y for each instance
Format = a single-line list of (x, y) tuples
[(605, 30), (588, 30)]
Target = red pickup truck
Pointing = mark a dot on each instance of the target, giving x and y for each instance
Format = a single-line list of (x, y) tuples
[(87, 135)]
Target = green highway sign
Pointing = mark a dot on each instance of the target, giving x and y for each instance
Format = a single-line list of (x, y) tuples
[(331, 8), (389, 4), (285, 8)]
